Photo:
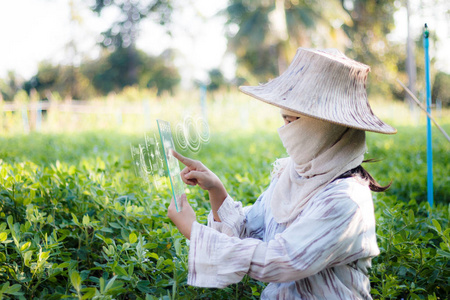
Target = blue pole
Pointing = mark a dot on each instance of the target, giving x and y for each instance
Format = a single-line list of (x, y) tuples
[(429, 145)]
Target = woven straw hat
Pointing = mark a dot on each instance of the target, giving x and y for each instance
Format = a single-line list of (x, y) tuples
[(326, 85)]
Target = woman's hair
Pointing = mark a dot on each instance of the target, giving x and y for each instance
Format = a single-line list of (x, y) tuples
[(362, 173)]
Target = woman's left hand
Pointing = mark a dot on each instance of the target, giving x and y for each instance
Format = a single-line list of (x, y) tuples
[(183, 219)]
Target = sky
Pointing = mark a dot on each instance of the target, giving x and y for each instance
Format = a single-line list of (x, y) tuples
[(43, 30), (37, 30), (437, 17)]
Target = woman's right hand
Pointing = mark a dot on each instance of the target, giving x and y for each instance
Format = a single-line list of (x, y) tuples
[(196, 173)]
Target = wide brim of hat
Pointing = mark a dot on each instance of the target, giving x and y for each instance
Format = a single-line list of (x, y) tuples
[(366, 121)]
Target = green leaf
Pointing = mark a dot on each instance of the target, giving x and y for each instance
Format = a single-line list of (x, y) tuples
[(153, 255), (25, 246), (75, 219), (3, 172), (447, 232), (411, 216), (443, 253), (5, 287), (72, 170), (132, 238), (115, 225), (151, 246), (13, 290), (27, 258), (414, 296), (10, 220), (3, 236), (120, 271), (110, 283), (177, 246), (143, 286), (89, 292), (18, 178), (437, 225), (86, 220), (130, 270), (63, 265), (28, 200), (102, 285), (44, 255), (75, 279)]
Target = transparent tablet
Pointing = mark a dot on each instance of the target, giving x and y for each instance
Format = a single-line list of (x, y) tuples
[(172, 164)]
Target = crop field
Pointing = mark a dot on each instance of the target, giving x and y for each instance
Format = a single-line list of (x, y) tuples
[(77, 223)]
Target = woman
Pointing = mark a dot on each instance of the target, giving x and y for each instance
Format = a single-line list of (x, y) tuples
[(311, 234)]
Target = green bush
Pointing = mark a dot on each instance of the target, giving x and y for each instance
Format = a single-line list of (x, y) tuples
[(76, 223), (414, 241), (440, 88)]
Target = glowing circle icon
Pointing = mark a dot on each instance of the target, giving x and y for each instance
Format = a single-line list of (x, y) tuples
[(191, 134)]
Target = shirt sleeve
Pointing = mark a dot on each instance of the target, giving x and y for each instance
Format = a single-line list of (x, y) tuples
[(239, 221), (232, 218), (331, 233)]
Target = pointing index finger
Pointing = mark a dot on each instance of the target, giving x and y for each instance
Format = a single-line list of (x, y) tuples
[(184, 160)]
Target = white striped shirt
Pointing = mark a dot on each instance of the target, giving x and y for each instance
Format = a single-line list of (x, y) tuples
[(323, 254)]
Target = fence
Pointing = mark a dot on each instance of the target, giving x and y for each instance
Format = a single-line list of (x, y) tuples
[(138, 111), (31, 116), (135, 111)]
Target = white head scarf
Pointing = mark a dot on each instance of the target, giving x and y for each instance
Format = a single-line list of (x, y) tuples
[(320, 151)]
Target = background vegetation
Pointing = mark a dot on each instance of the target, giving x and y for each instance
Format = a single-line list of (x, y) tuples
[(76, 222)]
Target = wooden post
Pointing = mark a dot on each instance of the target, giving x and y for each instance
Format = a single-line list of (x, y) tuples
[(34, 99), (52, 112), (21, 102), (1, 112)]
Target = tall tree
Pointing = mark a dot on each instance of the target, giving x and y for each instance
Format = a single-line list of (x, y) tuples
[(124, 32), (10, 86), (372, 21), (410, 58), (71, 48), (106, 72), (265, 34)]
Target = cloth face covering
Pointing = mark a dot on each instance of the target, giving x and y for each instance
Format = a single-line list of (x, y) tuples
[(320, 151)]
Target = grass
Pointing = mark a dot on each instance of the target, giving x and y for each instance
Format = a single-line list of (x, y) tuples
[(76, 222)]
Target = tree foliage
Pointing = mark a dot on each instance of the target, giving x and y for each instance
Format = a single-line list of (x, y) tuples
[(124, 31), (265, 35), (440, 88), (108, 73), (372, 21), (217, 80), (359, 28), (68, 81), (9, 86)]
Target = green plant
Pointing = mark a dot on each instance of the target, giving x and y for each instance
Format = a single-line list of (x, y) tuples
[(76, 223), (415, 251)]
